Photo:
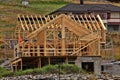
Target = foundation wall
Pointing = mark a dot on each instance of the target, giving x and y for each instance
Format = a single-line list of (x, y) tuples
[(96, 62)]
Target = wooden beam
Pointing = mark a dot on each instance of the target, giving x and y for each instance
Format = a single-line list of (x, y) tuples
[(49, 60), (21, 22), (88, 22), (44, 26), (89, 43), (21, 64), (63, 39), (101, 22), (35, 26), (30, 23), (16, 61), (27, 27), (66, 59), (92, 23), (45, 44), (98, 46)]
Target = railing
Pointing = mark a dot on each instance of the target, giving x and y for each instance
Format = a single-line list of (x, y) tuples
[(38, 51), (107, 51)]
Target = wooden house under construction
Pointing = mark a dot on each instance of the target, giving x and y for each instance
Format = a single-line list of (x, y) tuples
[(54, 39)]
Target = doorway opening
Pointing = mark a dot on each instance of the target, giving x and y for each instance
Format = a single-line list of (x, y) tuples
[(88, 66)]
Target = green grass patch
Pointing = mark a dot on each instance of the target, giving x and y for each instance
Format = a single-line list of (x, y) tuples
[(37, 6), (4, 72), (62, 68)]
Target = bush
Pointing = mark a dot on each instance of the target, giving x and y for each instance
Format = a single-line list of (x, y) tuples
[(37, 71), (70, 68), (61, 68), (49, 69), (4, 72), (25, 72)]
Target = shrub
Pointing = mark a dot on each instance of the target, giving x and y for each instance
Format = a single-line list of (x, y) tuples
[(70, 68), (4, 72), (49, 69), (37, 71), (25, 72)]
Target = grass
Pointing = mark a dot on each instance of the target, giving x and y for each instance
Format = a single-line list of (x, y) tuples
[(10, 9), (63, 68)]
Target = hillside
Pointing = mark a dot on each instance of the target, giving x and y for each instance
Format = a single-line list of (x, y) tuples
[(10, 8), (9, 11)]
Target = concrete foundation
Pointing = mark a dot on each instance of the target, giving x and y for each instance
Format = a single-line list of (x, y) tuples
[(90, 63)]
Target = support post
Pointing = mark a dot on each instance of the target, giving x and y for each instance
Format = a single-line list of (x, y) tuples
[(63, 38), (21, 64), (15, 66), (66, 59), (39, 62), (49, 60), (98, 46), (12, 67), (45, 44)]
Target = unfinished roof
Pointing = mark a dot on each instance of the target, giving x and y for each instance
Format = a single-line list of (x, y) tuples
[(62, 35), (36, 23), (78, 8)]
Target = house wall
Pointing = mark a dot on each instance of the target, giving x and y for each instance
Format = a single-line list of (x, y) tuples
[(113, 22), (115, 15)]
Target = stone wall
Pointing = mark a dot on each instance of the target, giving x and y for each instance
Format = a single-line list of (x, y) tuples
[(95, 59)]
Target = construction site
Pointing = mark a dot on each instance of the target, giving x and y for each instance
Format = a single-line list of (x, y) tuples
[(64, 36), (59, 39)]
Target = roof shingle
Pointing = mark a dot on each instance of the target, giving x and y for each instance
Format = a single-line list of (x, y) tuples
[(87, 8)]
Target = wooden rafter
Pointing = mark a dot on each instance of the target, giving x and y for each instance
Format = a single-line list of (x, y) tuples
[(77, 32)]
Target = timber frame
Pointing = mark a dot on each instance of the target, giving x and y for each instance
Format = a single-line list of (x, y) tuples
[(56, 36)]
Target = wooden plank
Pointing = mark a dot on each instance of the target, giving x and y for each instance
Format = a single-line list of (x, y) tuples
[(87, 22), (78, 29), (44, 26), (21, 22), (66, 60), (63, 39), (41, 20), (98, 46), (79, 20), (16, 61), (97, 25), (21, 64), (84, 46), (39, 62), (38, 21), (83, 22), (27, 27), (92, 23), (35, 26), (101, 22), (49, 60), (45, 44), (30, 23)]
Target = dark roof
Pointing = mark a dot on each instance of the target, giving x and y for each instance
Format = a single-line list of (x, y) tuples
[(77, 8)]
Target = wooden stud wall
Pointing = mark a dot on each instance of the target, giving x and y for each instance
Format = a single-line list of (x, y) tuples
[(62, 35)]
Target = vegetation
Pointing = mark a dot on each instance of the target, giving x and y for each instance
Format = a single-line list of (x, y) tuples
[(63, 69), (10, 9), (4, 72)]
